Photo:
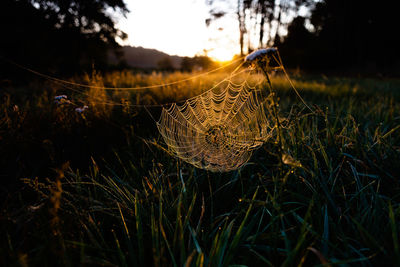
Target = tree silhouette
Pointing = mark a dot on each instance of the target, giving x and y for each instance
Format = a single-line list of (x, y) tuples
[(347, 37), (296, 44), (196, 63), (165, 64), (259, 21), (357, 32), (60, 35)]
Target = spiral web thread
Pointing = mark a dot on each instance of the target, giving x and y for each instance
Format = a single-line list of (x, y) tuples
[(219, 129)]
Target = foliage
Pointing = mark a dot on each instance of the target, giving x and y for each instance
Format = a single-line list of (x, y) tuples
[(260, 21), (59, 35), (345, 37), (196, 63), (336, 36), (330, 197), (165, 64)]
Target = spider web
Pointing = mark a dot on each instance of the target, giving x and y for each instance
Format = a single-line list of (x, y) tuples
[(219, 129)]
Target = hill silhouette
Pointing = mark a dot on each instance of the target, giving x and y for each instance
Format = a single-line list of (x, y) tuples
[(146, 58)]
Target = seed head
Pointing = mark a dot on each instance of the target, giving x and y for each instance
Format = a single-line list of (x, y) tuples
[(260, 53)]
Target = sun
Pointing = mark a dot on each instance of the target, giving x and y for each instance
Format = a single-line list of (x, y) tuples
[(221, 54)]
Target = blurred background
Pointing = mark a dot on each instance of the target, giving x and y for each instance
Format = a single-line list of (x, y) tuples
[(322, 36)]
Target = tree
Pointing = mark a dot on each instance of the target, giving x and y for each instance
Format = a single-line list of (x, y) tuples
[(347, 37), (196, 63), (60, 35), (165, 64), (260, 21), (297, 43), (356, 34)]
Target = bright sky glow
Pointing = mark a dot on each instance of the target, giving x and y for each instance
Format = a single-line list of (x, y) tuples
[(177, 27)]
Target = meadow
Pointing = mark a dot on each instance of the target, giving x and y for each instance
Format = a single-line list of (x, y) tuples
[(99, 188)]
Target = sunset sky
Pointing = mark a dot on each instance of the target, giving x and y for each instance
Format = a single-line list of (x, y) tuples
[(178, 27)]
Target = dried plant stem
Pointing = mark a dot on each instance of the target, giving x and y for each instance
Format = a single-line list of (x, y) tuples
[(274, 111)]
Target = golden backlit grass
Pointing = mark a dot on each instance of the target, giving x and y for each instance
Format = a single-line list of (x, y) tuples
[(331, 197)]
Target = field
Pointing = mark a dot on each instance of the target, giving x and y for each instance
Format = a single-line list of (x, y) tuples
[(99, 188)]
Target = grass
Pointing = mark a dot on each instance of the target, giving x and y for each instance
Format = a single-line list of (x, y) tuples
[(96, 188)]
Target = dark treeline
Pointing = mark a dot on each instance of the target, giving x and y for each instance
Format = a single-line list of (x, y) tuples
[(356, 37), (346, 37), (58, 36), (342, 36)]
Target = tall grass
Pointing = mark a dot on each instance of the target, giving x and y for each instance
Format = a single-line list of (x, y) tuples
[(334, 201)]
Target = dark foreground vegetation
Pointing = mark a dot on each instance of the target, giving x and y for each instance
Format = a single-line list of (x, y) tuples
[(96, 188)]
